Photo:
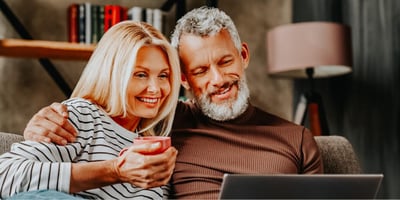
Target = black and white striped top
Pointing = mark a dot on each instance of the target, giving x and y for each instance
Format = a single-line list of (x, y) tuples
[(35, 166)]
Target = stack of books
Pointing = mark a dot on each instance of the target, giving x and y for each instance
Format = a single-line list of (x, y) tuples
[(88, 22)]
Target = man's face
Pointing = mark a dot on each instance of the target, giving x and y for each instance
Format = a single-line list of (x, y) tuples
[(214, 70)]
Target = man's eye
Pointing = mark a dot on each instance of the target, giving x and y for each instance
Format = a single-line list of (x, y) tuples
[(199, 71), (225, 62)]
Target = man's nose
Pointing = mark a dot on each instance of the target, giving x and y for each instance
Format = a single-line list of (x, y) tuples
[(217, 76)]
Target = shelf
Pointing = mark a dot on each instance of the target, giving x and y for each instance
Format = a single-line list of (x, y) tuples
[(45, 49)]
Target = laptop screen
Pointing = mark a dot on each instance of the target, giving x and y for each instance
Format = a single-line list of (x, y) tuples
[(300, 186)]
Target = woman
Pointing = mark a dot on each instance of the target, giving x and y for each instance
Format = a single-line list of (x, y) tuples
[(129, 88)]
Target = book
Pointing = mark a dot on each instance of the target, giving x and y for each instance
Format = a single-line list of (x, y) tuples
[(81, 23), (135, 13), (158, 19), (149, 15), (100, 22), (88, 23), (73, 23), (93, 20), (95, 23), (115, 14), (124, 13), (107, 17)]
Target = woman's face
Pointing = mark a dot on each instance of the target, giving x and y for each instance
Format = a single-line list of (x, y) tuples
[(149, 85)]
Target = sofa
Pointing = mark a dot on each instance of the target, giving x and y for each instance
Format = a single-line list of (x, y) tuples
[(6, 139), (336, 151)]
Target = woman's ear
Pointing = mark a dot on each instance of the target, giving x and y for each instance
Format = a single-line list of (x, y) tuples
[(245, 54), (184, 82)]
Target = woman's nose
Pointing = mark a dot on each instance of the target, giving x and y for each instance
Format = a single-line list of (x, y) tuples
[(153, 86)]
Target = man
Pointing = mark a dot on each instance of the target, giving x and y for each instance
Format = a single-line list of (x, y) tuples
[(218, 131)]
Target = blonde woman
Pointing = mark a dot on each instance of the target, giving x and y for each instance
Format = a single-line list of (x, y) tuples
[(129, 88)]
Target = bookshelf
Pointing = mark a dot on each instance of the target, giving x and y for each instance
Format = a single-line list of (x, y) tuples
[(43, 50)]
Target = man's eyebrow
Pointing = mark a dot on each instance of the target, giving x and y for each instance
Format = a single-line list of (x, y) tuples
[(227, 56)]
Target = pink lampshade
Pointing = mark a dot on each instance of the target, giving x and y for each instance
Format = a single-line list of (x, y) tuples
[(324, 46)]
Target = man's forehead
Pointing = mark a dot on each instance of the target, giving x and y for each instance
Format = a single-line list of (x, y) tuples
[(205, 56), (191, 42)]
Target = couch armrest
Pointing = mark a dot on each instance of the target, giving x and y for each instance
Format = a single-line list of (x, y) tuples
[(338, 155), (6, 139)]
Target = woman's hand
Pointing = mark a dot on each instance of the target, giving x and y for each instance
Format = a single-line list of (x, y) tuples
[(146, 171)]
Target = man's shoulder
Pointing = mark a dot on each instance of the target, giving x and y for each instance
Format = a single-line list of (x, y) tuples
[(269, 118), (185, 107)]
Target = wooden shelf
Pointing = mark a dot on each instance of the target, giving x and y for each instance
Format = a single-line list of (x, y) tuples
[(45, 49)]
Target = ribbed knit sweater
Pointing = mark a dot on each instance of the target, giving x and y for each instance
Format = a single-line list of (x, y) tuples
[(255, 142)]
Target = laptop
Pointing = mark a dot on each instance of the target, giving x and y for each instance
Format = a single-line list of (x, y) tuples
[(300, 186)]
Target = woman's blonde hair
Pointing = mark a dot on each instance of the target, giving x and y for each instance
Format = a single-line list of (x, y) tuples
[(105, 78)]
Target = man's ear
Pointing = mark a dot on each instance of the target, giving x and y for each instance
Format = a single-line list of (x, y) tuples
[(245, 54), (184, 82)]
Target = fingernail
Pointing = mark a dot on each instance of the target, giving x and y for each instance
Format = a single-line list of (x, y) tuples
[(64, 142)]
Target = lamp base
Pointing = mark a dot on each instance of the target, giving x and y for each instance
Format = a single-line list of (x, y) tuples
[(310, 106)]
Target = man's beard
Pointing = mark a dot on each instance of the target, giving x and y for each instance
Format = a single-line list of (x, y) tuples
[(229, 109)]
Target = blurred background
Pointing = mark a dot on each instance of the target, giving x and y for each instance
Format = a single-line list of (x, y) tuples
[(362, 106)]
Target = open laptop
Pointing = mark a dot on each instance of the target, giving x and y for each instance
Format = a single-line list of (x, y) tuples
[(300, 186)]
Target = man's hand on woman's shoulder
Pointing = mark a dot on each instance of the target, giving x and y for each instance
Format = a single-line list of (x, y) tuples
[(50, 124)]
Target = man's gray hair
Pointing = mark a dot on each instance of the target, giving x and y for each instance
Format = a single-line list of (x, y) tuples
[(205, 21)]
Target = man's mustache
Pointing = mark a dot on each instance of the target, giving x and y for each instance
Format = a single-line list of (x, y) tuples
[(227, 84)]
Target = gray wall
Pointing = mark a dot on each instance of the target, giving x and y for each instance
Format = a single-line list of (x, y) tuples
[(25, 87)]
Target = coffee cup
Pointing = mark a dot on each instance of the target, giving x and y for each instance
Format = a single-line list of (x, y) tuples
[(165, 143)]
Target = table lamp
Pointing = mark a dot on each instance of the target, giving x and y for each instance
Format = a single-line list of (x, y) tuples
[(309, 50)]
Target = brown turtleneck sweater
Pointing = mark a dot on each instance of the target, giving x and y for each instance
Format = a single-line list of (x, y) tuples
[(255, 142)]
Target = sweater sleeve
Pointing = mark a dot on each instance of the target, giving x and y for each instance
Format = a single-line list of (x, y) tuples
[(312, 161), (35, 166)]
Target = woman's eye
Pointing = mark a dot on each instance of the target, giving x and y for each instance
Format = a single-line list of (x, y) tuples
[(164, 75), (140, 75)]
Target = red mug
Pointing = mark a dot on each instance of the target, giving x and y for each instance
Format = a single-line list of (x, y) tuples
[(165, 143)]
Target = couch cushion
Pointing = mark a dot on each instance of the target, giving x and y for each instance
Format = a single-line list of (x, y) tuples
[(338, 155)]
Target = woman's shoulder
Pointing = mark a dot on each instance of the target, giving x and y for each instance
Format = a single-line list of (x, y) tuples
[(83, 108), (78, 102), (81, 105)]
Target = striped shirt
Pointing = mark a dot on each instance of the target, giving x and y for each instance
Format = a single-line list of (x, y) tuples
[(36, 166)]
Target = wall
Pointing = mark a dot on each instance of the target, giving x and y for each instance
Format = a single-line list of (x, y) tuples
[(25, 87)]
